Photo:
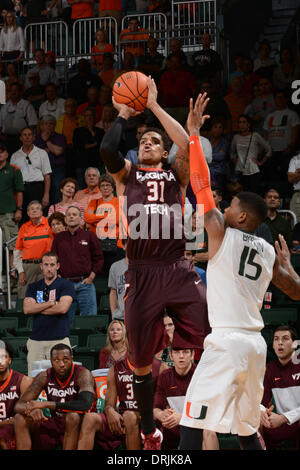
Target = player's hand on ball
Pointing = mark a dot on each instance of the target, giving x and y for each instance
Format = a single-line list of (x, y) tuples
[(152, 93), (196, 117), (124, 111)]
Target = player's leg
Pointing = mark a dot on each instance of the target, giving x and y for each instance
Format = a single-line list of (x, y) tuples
[(132, 430), (72, 429), (190, 438), (22, 433), (250, 442), (210, 440), (7, 437), (91, 424)]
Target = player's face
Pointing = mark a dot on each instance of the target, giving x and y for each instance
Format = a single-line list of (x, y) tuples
[(116, 332), (182, 359), (233, 213), (49, 266), (5, 361), (62, 362), (151, 149), (169, 327), (282, 345)]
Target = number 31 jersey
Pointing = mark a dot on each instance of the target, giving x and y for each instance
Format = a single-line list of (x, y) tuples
[(237, 279)]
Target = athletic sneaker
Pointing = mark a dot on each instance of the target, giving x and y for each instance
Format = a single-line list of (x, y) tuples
[(152, 441)]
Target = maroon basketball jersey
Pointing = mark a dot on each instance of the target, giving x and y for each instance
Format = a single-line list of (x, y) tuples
[(124, 379), (10, 392), (153, 209), (62, 391)]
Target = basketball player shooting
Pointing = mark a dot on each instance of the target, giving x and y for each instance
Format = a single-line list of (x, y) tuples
[(226, 389), (158, 276)]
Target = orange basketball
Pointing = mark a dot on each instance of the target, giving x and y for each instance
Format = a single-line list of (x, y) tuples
[(131, 89)]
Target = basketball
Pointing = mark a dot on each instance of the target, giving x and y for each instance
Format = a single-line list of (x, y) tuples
[(131, 89)]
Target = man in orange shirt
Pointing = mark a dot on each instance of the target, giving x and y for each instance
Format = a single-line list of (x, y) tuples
[(237, 101), (135, 35), (34, 239)]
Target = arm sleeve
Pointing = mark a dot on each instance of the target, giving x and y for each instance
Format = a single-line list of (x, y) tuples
[(111, 157), (82, 405)]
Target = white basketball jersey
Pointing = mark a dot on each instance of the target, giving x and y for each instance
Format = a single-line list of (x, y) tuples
[(237, 279)]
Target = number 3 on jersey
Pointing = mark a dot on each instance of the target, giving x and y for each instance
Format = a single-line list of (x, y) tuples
[(247, 258), (154, 191)]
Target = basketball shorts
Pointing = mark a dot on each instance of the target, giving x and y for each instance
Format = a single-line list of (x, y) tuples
[(150, 288), (49, 434), (106, 439), (226, 389), (7, 437)]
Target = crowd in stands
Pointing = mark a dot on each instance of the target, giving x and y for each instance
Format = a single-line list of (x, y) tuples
[(57, 198)]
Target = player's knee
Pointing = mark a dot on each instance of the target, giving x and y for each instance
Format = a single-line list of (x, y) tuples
[(92, 422), (130, 420), (72, 421)]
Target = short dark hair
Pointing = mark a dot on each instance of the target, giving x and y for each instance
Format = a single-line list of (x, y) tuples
[(254, 205), (50, 253), (3, 147), (217, 190), (60, 347), (107, 179), (162, 133), (8, 348), (68, 180), (57, 216), (293, 332)]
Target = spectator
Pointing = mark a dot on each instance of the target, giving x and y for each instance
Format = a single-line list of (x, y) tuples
[(190, 254), (264, 64), (116, 345), (46, 73), (132, 154), (175, 47), (108, 117), (10, 380), (281, 387), (92, 102), (19, 12), (294, 178), (71, 392), (245, 152), (175, 98), (48, 300), (67, 187), (238, 62), (128, 65), (262, 105), (111, 8), (34, 239), (81, 9), (65, 10), (116, 283), (282, 132), (100, 48), (12, 77), (102, 215), (86, 141), (220, 147), (92, 191), (163, 357), (36, 170), (14, 116), (57, 222), (216, 107), (11, 200), (12, 42), (50, 58), (152, 61), (82, 268), (78, 85), (133, 39), (53, 106), (55, 145), (287, 71), (249, 78), (107, 70), (207, 63), (276, 223), (237, 101), (35, 94)]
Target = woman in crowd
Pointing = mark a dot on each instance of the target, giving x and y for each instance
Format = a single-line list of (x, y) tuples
[(12, 42), (57, 222), (116, 345), (11, 77), (102, 46), (68, 188), (287, 71), (220, 147)]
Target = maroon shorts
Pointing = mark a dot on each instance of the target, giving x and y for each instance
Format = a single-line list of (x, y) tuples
[(285, 432), (152, 288), (49, 434), (106, 439), (7, 437)]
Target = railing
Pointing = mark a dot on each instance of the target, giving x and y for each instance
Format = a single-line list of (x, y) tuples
[(50, 36), (6, 247), (84, 33), (156, 24)]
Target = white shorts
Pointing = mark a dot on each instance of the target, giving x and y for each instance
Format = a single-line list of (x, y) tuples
[(227, 386)]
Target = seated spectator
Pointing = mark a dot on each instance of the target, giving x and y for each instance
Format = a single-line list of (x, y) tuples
[(57, 222), (133, 38), (216, 107), (67, 187), (35, 93), (79, 84), (10, 380), (86, 142), (92, 191), (249, 78), (132, 154), (108, 116), (276, 223), (238, 61), (237, 101), (151, 62), (245, 152), (53, 106), (34, 239), (92, 102), (294, 178), (220, 147), (287, 71), (100, 48), (12, 42), (207, 63), (280, 421), (102, 215), (199, 242), (50, 59), (169, 398), (163, 357), (116, 345), (107, 71), (116, 283), (175, 98), (128, 65), (264, 64), (12, 77), (175, 47), (46, 73), (105, 96), (55, 145), (262, 105)]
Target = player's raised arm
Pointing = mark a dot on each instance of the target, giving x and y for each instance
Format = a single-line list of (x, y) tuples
[(284, 275), (200, 177)]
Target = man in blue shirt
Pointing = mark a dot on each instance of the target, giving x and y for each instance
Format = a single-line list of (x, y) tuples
[(49, 301)]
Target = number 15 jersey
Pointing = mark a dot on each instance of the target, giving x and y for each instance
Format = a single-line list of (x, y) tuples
[(237, 279)]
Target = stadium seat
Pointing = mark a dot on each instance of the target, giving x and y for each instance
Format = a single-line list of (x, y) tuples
[(18, 308), (8, 323), (20, 365), (90, 322), (279, 316), (104, 304), (268, 334), (18, 343), (96, 342), (101, 285), (74, 340), (86, 361)]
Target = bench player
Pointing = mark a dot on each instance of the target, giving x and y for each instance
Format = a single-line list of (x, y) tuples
[(158, 275), (225, 392)]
